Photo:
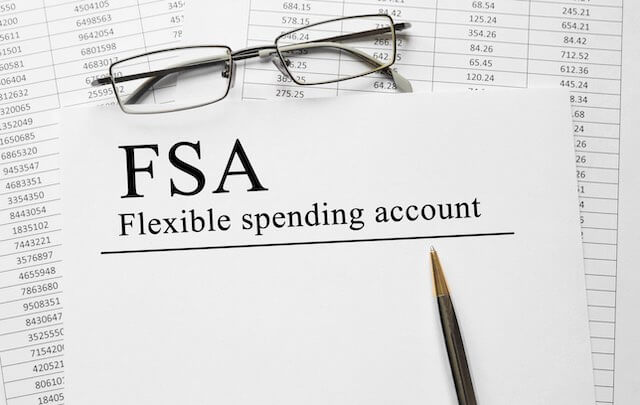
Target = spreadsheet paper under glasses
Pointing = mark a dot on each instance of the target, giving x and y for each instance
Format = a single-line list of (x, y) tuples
[(195, 76)]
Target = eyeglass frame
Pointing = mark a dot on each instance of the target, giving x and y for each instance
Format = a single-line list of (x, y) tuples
[(260, 52)]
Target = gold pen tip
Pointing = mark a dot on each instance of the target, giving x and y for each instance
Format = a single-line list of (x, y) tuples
[(439, 281)]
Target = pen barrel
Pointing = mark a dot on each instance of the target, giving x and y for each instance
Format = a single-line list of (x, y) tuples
[(456, 352)]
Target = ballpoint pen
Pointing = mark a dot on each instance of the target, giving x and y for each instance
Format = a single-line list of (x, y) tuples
[(452, 336)]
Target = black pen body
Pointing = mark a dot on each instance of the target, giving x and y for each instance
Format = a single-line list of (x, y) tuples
[(456, 352)]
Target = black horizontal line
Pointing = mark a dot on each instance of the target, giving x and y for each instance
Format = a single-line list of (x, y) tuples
[(322, 242)]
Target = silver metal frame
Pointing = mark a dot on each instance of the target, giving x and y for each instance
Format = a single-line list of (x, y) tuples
[(402, 84), (283, 60)]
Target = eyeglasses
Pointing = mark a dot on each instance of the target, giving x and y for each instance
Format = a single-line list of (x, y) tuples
[(194, 76)]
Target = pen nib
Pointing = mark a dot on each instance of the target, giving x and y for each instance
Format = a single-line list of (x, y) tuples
[(439, 282)]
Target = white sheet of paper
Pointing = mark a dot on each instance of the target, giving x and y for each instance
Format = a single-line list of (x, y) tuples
[(462, 44), (340, 313)]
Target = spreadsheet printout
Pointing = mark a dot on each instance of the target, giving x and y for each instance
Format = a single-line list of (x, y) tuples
[(50, 52), (476, 45)]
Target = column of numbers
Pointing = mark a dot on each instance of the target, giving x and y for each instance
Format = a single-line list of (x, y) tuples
[(30, 287), (269, 19), (578, 45), (481, 44), (88, 36), (161, 23)]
